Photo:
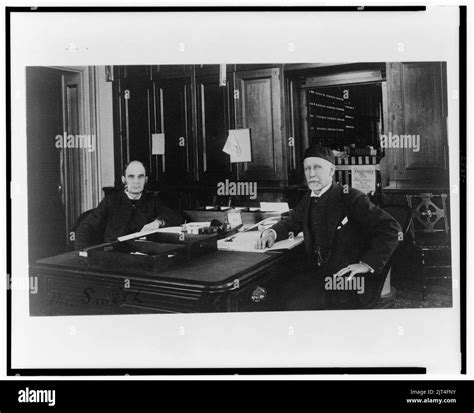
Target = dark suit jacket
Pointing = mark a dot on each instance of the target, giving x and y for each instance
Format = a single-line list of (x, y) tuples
[(370, 235), (111, 218)]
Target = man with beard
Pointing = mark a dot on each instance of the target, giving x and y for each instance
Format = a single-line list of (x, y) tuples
[(345, 235)]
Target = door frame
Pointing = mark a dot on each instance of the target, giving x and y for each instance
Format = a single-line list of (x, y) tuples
[(89, 164)]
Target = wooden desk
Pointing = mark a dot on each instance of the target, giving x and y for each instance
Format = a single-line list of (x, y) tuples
[(218, 282)]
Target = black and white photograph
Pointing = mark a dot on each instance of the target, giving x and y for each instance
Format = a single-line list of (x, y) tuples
[(231, 187), (200, 185)]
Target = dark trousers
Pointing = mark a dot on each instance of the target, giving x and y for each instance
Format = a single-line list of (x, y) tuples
[(306, 290), (300, 291)]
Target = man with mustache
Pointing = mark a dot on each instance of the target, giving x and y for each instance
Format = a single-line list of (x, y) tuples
[(124, 212), (345, 235)]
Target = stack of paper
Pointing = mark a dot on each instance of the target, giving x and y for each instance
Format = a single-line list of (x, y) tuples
[(274, 206)]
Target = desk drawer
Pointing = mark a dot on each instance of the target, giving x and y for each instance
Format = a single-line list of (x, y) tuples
[(162, 301)]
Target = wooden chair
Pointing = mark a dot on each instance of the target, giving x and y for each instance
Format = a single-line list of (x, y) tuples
[(431, 238)]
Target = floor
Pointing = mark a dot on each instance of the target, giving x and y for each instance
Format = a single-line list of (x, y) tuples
[(409, 295), (407, 281)]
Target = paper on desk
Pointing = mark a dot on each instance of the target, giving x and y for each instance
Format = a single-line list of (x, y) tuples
[(245, 242), (136, 235), (237, 145), (274, 206), (174, 230), (287, 244)]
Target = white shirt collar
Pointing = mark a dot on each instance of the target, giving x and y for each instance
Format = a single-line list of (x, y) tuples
[(134, 199), (315, 195)]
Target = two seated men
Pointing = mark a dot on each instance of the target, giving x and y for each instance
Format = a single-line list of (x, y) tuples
[(345, 234)]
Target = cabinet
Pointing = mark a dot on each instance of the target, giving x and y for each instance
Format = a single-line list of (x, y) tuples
[(175, 120), (134, 116), (195, 113), (258, 107), (214, 119), (172, 71), (255, 66), (416, 100), (145, 104)]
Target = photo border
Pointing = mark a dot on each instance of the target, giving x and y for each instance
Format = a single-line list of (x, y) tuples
[(247, 371)]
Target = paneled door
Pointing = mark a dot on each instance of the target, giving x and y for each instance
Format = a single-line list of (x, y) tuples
[(257, 97)]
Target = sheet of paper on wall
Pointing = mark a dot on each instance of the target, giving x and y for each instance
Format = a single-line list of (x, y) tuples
[(237, 145), (157, 143), (231, 145), (274, 206), (363, 178)]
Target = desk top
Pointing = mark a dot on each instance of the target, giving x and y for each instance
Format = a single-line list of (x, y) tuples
[(218, 268)]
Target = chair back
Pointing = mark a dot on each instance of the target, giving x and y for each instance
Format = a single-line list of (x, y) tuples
[(81, 218), (430, 215)]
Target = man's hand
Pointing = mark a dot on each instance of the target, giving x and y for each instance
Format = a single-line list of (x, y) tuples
[(157, 223), (359, 268), (267, 239)]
